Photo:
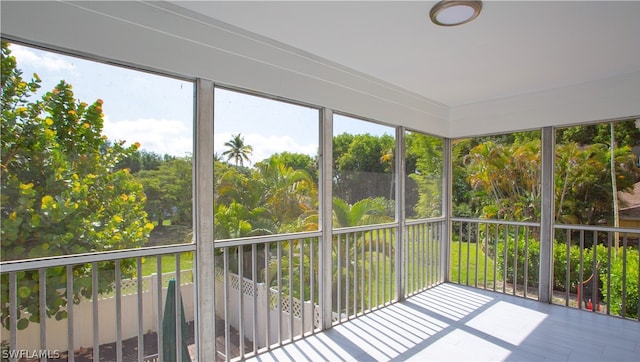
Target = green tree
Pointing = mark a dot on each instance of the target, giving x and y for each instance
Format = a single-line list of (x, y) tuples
[(286, 192), (363, 212), (510, 176), (424, 167), (361, 166), (61, 192), (141, 160), (169, 191), (238, 150)]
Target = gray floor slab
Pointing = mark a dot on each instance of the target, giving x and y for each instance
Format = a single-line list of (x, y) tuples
[(457, 323)]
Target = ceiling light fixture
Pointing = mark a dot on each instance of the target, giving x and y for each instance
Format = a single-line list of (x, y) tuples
[(452, 12)]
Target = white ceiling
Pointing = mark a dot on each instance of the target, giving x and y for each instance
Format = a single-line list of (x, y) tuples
[(512, 48)]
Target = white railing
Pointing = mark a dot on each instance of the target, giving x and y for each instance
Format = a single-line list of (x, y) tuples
[(267, 291), (504, 256), (90, 303)]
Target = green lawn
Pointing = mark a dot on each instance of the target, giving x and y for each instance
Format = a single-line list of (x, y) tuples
[(149, 264), (460, 255)]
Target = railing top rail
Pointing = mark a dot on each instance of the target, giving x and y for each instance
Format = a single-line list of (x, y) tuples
[(501, 222), (265, 239), (597, 228), (355, 229), (64, 260), (425, 221)]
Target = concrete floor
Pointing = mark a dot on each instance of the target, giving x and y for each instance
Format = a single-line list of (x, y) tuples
[(457, 323)]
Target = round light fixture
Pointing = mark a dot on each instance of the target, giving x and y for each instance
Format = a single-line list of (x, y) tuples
[(452, 12)]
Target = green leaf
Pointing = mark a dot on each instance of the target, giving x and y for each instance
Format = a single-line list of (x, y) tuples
[(22, 324), (24, 292)]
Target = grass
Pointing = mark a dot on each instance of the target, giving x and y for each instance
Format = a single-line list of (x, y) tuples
[(149, 265), (463, 253)]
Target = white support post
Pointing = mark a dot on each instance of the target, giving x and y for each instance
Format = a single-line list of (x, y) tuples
[(204, 292), (547, 216), (447, 197), (400, 170), (326, 220)]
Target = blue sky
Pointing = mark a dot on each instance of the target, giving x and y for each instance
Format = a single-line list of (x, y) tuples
[(157, 111)]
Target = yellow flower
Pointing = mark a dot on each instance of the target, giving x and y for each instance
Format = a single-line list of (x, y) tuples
[(48, 121), (86, 125), (47, 201), (26, 186)]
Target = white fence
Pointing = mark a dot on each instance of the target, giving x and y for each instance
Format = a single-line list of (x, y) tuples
[(255, 307), (29, 338)]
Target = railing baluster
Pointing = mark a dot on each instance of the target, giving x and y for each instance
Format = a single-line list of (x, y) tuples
[(254, 293), (623, 311), (42, 288), (96, 324), (495, 257), (290, 290), (505, 258), (267, 258), (118, 285), (178, 316), (159, 307), (140, 315), (378, 268), (609, 274), (526, 260), (279, 281), (596, 278), (339, 274), (13, 312), (225, 287), (370, 269), (362, 273), (301, 286), (515, 259), (486, 256), (477, 237), (70, 329), (460, 254), (581, 270), (347, 280), (240, 277), (312, 282)]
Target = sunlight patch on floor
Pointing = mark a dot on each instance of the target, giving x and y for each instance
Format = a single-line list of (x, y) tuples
[(460, 345), (499, 320)]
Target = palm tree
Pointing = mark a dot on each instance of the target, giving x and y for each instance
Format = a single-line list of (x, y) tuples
[(237, 151)]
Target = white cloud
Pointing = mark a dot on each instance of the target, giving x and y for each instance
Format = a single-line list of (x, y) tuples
[(263, 147), (48, 61), (162, 136)]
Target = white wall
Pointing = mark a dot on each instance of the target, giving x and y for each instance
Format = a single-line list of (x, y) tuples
[(611, 98), (157, 37)]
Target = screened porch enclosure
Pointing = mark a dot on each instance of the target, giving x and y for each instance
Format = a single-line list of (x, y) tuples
[(292, 181), (291, 290)]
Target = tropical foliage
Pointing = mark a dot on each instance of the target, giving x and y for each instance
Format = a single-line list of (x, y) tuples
[(61, 191)]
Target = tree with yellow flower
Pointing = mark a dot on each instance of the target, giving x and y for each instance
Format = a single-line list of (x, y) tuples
[(61, 193)]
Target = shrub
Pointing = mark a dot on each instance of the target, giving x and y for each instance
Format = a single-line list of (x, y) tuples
[(615, 288), (529, 250), (560, 265)]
